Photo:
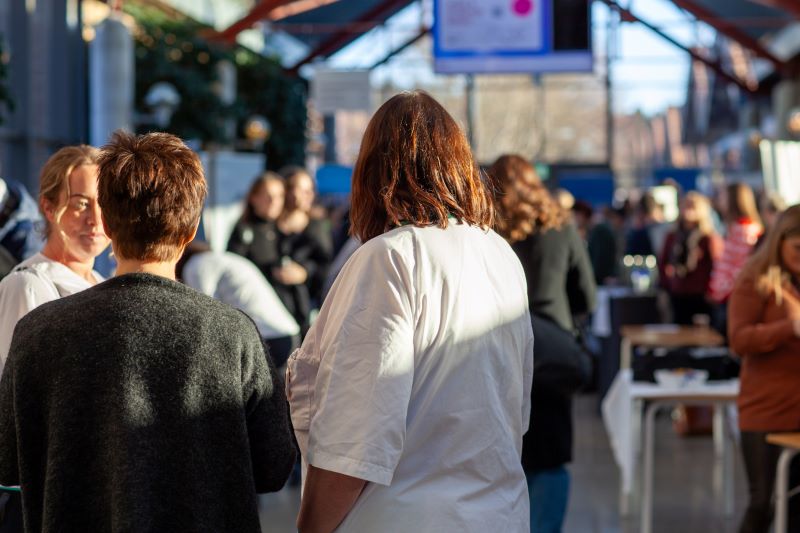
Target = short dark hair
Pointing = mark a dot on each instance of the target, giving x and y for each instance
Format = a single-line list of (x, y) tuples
[(582, 207), (151, 191), (415, 167)]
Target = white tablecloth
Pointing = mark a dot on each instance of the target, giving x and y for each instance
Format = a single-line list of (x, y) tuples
[(618, 415)]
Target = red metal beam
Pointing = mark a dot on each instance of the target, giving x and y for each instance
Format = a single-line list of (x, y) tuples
[(340, 39), (714, 65), (728, 29)]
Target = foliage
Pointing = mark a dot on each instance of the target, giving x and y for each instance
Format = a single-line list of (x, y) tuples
[(5, 93), (265, 90), (174, 50)]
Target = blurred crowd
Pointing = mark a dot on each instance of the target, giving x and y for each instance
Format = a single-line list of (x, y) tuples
[(731, 261), (695, 258)]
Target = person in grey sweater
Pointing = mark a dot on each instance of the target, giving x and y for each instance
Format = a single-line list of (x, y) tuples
[(141, 404)]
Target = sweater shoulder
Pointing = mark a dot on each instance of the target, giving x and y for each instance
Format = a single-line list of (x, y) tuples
[(152, 297)]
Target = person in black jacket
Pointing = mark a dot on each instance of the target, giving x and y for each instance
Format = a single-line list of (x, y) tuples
[(560, 286), (255, 235), (306, 248), (140, 404)]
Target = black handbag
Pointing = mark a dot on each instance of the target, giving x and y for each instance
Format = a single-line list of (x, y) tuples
[(717, 361), (560, 362)]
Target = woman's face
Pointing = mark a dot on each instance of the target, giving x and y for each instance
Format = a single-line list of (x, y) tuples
[(78, 230), (267, 202), (689, 212), (303, 193), (790, 254)]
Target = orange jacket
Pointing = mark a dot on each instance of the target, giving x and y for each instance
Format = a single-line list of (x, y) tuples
[(760, 331)]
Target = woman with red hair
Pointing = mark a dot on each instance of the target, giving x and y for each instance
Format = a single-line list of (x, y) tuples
[(560, 287), (411, 392)]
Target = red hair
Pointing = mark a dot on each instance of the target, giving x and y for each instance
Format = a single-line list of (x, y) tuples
[(415, 167)]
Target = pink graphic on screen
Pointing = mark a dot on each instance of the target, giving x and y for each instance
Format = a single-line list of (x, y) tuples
[(522, 8)]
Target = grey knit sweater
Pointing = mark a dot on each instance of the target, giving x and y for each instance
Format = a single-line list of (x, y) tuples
[(141, 405)]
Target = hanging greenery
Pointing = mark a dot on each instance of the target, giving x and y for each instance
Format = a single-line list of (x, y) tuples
[(173, 50), (265, 90), (6, 101)]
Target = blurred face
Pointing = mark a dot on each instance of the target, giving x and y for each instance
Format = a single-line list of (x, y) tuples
[(722, 202), (790, 254), (267, 202), (769, 218), (690, 214), (77, 232), (303, 193)]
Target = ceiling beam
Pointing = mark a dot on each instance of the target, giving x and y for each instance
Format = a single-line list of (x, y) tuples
[(422, 33), (729, 30), (269, 10), (339, 40), (297, 7), (749, 87), (256, 14), (790, 6)]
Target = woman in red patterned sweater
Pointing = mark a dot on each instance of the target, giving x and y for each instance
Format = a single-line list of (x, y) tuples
[(744, 227)]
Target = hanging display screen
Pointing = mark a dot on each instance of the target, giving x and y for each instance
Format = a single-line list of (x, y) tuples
[(483, 36)]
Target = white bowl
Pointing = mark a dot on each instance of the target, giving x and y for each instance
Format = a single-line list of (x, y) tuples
[(679, 379)]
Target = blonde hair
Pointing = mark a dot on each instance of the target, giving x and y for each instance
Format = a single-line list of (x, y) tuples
[(705, 227), (54, 178), (703, 206), (766, 266), (741, 204)]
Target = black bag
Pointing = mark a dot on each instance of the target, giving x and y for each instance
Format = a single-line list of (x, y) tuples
[(559, 361), (717, 361)]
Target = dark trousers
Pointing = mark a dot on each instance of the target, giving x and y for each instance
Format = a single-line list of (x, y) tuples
[(281, 348), (760, 462)]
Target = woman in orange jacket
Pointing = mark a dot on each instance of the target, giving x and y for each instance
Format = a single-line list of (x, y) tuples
[(764, 329)]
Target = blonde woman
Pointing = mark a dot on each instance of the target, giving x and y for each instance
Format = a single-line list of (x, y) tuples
[(764, 329), (688, 259), (74, 237)]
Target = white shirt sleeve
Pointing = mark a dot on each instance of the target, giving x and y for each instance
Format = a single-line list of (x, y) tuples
[(527, 384), (20, 292), (365, 344)]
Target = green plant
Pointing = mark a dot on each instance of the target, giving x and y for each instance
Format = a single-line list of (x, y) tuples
[(265, 90), (173, 50)]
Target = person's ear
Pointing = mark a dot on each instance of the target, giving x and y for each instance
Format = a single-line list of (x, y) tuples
[(105, 225), (48, 209), (193, 235)]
